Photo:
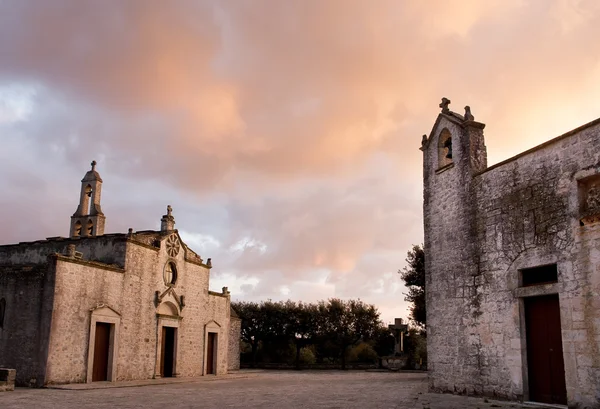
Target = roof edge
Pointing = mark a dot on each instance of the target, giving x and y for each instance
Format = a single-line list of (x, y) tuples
[(542, 145)]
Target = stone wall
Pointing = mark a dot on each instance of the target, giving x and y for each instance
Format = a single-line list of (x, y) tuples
[(108, 249), (27, 290), (233, 352), (484, 225), (450, 250)]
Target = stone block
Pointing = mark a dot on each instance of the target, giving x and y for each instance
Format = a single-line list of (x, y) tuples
[(7, 379)]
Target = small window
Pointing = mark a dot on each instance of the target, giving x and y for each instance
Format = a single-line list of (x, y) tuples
[(90, 228), (539, 275), (170, 274), (2, 310), (77, 231)]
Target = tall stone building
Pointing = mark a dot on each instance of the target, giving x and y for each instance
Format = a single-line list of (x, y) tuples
[(108, 307), (513, 265)]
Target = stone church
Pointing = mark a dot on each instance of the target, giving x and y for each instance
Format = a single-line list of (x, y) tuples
[(513, 265), (111, 307)]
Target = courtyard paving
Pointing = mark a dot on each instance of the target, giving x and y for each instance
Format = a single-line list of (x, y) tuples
[(255, 389)]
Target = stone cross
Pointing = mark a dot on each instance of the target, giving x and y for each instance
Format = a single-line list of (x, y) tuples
[(399, 329), (93, 165), (169, 210), (444, 105)]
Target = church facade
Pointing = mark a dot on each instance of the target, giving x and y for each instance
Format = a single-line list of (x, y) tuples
[(109, 307), (513, 265)]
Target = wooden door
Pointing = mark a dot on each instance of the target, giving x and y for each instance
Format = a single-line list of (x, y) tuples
[(544, 350), (101, 346), (210, 354)]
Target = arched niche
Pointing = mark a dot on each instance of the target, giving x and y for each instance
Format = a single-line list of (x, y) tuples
[(168, 308)]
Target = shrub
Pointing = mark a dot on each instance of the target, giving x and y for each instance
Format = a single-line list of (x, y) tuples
[(362, 353)]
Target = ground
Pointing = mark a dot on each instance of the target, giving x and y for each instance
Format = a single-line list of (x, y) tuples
[(255, 389)]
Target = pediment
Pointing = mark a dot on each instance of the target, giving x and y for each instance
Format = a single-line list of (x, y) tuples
[(169, 295), (212, 324), (442, 121), (448, 120), (105, 311), (175, 247)]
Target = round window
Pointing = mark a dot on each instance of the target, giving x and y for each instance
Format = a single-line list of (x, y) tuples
[(170, 274)]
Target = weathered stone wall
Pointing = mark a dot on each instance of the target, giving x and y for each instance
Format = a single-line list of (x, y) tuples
[(218, 310), (81, 286), (109, 249), (528, 215), (449, 249), (24, 336), (481, 228), (233, 353)]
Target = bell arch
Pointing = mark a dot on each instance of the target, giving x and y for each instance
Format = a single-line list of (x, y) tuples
[(445, 148)]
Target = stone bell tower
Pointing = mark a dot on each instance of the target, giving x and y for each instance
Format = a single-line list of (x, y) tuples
[(454, 154), (88, 220)]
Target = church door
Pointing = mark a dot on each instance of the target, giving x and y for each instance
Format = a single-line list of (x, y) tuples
[(167, 352), (101, 346), (544, 350), (210, 353)]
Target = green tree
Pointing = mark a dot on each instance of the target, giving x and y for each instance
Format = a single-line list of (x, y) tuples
[(253, 325), (414, 279), (347, 322), (383, 341), (304, 323)]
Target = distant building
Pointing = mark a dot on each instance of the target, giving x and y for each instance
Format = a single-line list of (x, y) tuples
[(108, 307), (513, 265)]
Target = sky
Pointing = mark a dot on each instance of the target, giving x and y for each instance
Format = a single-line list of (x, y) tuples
[(284, 134)]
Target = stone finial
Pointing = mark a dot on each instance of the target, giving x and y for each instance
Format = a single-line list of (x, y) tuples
[(167, 222), (444, 105), (424, 140), (225, 291), (468, 115), (71, 250), (209, 262), (130, 231), (93, 165)]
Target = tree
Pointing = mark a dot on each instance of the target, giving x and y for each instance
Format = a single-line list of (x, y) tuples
[(303, 325), (347, 322), (271, 329), (414, 279), (384, 341), (253, 325)]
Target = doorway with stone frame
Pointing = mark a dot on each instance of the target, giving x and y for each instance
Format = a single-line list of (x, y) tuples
[(212, 334), (543, 359), (168, 319), (103, 344)]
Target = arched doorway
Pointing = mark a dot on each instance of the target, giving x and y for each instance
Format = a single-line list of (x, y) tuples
[(168, 326)]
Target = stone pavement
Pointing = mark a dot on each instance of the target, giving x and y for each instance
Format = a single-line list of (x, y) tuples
[(255, 389)]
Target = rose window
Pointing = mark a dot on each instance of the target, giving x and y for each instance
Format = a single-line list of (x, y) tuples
[(172, 245)]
